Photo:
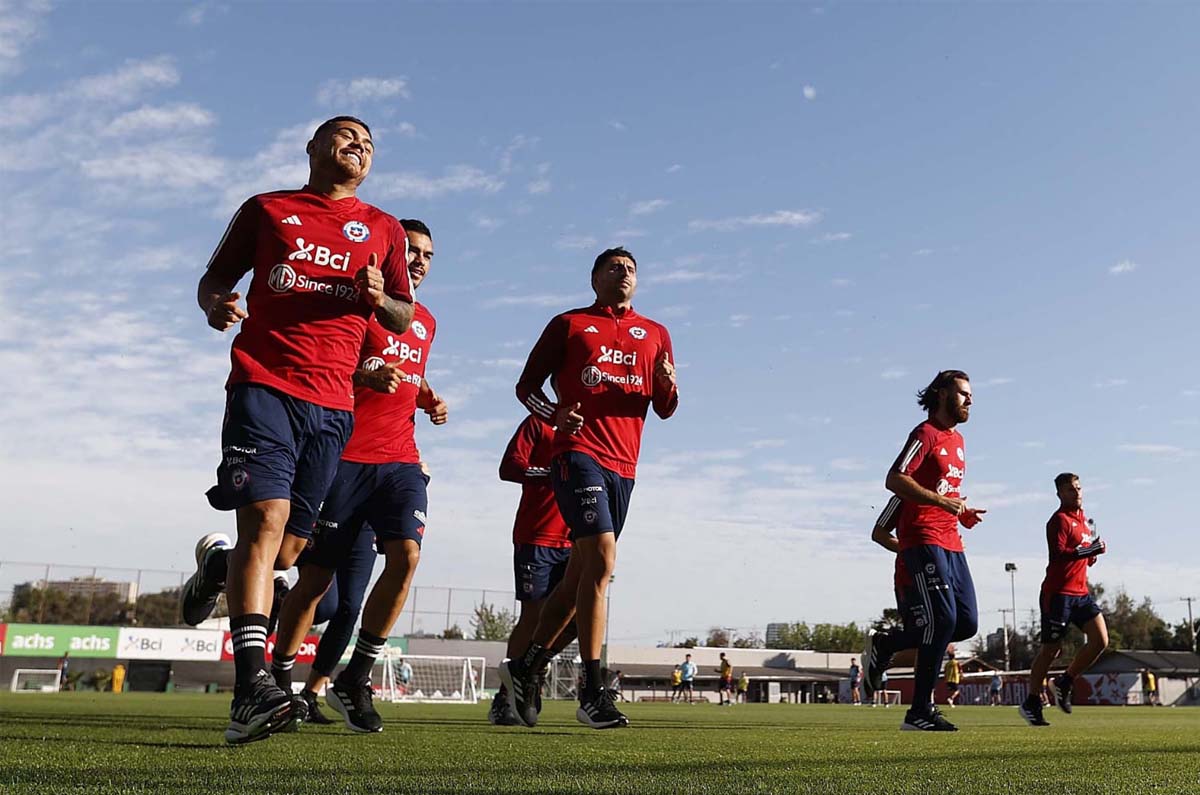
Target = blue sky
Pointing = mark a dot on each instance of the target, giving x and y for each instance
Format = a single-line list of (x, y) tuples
[(828, 204)]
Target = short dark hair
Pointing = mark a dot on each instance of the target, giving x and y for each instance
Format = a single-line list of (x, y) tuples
[(928, 397), (413, 225), (608, 254), (1063, 478), (331, 122)]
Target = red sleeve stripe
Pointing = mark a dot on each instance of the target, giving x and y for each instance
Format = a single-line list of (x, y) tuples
[(224, 237), (889, 510), (909, 454)]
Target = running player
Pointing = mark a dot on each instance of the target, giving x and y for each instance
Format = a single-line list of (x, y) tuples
[(926, 477), (541, 545), (875, 663), (323, 263), (608, 365), (380, 481), (725, 685), (1065, 599)]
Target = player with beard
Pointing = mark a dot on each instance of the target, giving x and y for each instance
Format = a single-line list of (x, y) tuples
[(323, 264), (927, 477), (1074, 545), (380, 482), (608, 365)]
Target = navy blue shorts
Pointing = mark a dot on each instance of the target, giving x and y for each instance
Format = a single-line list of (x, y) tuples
[(591, 499), (392, 498), (1060, 611), (538, 570), (941, 604), (278, 447)]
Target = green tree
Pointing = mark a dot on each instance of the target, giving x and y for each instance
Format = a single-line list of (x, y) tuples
[(717, 638), (751, 641), (159, 609), (492, 623), (452, 633), (688, 643)]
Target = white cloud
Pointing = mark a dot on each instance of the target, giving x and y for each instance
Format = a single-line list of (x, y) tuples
[(810, 93), (164, 118), (536, 299), (539, 186), (358, 90), (648, 206), (1109, 383), (922, 252), (786, 218), (684, 275), (1124, 266), (455, 179), (893, 373), (487, 223), (622, 234), (128, 82), (575, 242), (1165, 450), (833, 237), (158, 167), (619, 126), (20, 26), (998, 381), (847, 465), (842, 283), (737, 321), (674, 168)]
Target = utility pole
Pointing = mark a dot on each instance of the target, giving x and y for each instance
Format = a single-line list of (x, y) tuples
[(1004, 615), (1191, 623)]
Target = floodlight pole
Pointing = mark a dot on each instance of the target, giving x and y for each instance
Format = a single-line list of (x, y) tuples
[(1191, 624), (1011, 568)]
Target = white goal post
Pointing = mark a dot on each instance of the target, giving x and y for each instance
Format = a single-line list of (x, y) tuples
[(421, 678), (35, 680)]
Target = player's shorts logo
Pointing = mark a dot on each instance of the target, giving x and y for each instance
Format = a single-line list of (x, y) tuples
[(590, 376), (638, 333), (930, 568), (419, 329), (590, 516), (943, 487), (282, 278), (239, 477), (357, 232), (419, 515), (373, 363)]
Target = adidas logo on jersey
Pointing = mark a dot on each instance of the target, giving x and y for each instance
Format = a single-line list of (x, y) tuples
[(293, 220), (591, 330), (943, 451)]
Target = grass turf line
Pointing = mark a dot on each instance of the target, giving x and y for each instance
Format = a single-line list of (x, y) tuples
[(171, 743)]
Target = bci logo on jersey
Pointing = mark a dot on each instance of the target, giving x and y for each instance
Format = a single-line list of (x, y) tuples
[(319, 255), (406, 352), (617, 356)]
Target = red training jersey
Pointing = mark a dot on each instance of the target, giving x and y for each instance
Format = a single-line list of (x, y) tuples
[(1065, 533), (306, 319), (527, 461), (934, 458), (604, 360), (384, 424)]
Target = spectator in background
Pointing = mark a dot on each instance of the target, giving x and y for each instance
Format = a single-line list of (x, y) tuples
[(676, 683), (997, 683), (743, 687), (405, 675), (953, 674), (855, 679), (725, 687), (1148, 677), (64, 664), (687, 672)]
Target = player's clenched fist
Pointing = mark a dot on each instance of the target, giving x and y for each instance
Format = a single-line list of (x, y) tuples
[(369, 281), (386, 379), (664, 371), (225, 313), (437, 410), (568, 419)]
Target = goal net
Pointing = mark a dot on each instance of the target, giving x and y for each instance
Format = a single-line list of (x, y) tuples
[(429, 678), (35, 680)]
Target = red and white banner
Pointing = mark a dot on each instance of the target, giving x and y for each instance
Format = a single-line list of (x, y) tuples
[(306, 654)]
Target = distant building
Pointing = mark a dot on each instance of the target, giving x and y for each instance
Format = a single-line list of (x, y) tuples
[(775, 631), (80, 586)]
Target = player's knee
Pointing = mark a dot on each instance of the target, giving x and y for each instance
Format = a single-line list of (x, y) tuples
[(401, 559), (313, 583), (262, 521), (1100, 633)]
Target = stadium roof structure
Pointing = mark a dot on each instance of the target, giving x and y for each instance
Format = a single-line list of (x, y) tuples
[(1162, 663)]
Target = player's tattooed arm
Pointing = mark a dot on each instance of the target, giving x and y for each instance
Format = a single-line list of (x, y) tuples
[(394, 314), (386, 379)]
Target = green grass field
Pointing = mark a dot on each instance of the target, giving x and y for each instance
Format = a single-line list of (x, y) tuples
[(134, 743)]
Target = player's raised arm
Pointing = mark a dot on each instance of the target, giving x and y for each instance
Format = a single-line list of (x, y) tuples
[(666, 390), (232, 259), (883, 531), (544, 359), (391, 298), (516, 464)]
